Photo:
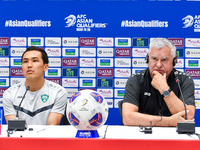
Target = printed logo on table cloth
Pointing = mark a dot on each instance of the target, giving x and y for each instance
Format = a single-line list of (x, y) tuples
[(44, 97)]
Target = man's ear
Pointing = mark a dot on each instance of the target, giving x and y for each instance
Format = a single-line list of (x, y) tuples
[(46, 66)]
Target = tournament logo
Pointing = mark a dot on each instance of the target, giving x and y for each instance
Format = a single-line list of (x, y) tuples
[(190, 21), (105, 92), (44, 98), (18, 41), (82, 23), (87, 62), (140, 52), (70, 82), (192, 42), (105, 41), (53, 51), (122, 72)]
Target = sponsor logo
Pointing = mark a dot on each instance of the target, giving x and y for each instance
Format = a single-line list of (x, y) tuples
[(4, 51), (139, 52), (122, 52), (136, 70), (110, 103), (4, 72), (4, 61), (70, 52), (189, 21), (52, 72), (140, 42), (55, 80), (104, 82), (16, 62), (72, 82), (52, 41), (197, 83), (71, 92), (27, 23), (87, 72), (197, 94), (87, 82), (104, 41), (179, 52), (88, 52), (4, 41), (82, 23), (35, 41), (70, 72), (104, 72), (194, 73), (144, 24), (2, 81), (122, 72), (54, 62), (178, 42), (192, 42), (17, 51), (119, 62), (15, 41), (125, 42), (16, 72), (70, 41), (2, 90), (180, 63), (87, 62), (193, 63), (105, 92), (116, 102), (73, 62), (139, 62), (192, 52), (105, 52), (120, 82), (119, 92), (15, 81), (87, 41), (53, 51)]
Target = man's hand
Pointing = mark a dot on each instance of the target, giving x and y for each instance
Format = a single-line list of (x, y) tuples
[(159, 82), (179, 117)]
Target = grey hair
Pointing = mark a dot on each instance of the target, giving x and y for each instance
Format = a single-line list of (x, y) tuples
[(161, 43)]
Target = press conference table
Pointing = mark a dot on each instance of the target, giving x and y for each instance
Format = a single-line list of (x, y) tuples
[(115, 137)]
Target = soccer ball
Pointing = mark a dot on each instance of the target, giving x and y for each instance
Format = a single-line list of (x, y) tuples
[(87, 110)]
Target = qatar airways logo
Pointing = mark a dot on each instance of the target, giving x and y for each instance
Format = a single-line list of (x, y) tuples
[(122, 52), (87, 62), (87, 41), (194, 73), (105, 92), (18, 41), (16, 72), (122, 72), (53, 51), (55, 80), (104, 72), (192, 42), (178, 42), (139, 52), (4, 41), (4, 61), (70, 62), (70, 82), (2, 90), (105, 42)]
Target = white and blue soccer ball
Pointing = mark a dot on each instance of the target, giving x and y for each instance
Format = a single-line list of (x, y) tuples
[(87, 110)]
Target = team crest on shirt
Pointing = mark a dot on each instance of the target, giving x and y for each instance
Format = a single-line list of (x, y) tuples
[(44, 97)]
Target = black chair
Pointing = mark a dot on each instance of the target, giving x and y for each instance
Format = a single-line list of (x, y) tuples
[(65, 120), (120, 110)]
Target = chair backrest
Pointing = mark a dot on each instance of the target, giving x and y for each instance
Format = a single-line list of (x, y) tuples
[(120, 110)]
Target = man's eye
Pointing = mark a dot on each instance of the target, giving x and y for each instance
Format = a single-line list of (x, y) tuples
[(35, 60), (25, 61)]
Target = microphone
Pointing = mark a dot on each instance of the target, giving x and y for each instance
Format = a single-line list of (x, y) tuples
[(18, 124), (184, 127)]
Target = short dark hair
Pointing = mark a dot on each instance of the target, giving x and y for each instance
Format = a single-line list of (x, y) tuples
[(35, 48)]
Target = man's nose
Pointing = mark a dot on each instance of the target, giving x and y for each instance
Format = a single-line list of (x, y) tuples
[(29, 64), (159, 64)]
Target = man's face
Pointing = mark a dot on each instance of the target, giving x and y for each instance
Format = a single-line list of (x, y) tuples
[(32, 65), (160, 60)]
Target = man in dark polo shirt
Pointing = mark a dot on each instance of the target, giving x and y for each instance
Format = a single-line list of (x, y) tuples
[(152, 95)]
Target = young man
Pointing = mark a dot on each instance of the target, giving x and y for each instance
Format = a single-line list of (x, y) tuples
[(44, 103), (152, 95)]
